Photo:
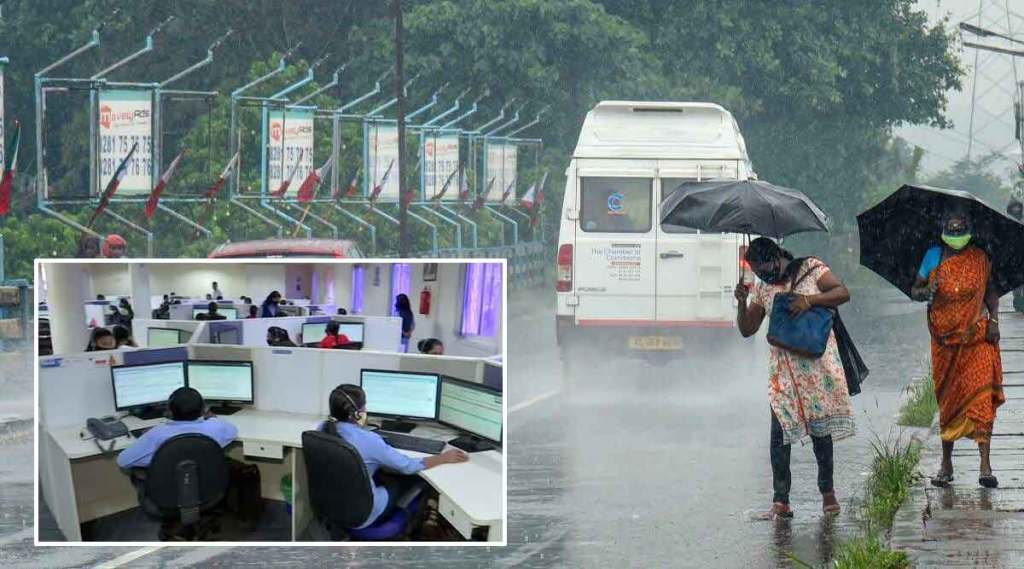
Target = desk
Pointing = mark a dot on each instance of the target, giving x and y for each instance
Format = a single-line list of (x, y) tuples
[(81, 484)]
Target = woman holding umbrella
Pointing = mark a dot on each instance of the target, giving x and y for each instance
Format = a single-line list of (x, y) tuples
[(963, 319)]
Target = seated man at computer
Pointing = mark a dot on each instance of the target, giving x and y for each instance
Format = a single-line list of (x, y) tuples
[(186, 406), (348, 416), (333, 337), (211, 313)]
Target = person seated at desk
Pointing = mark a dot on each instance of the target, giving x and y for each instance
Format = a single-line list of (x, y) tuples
[(211, 313), (101, 339), (123, 337), (342, 312), (334, 338), (278, 337), (186, 406), (348, 417), (431, 346), (254, 312)]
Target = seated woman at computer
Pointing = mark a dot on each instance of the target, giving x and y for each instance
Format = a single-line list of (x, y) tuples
[(333, 338), (348, 416), (278, 337), (186, 406), (431, 346), (123, 337), (211, 313), (271, 307), (101, 339), (254, 311)]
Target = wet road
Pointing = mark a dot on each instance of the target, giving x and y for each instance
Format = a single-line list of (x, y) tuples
[(627, 465)]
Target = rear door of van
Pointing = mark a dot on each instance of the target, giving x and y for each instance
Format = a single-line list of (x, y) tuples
[(616, 241)]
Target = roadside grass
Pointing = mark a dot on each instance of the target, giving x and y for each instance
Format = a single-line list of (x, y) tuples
[(921, 406)]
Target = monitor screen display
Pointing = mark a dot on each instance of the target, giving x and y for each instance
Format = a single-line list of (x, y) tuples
[(494, 376), (135, 386), (313, 332), (228, 312), (164, 337), (352, 330), (471, 407), (400, 394), (222, 381)]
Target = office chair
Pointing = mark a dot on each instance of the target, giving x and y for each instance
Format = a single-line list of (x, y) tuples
[(341, 493), (187, 478)]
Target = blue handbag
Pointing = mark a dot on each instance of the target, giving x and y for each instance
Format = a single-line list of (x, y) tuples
[(806, 335)]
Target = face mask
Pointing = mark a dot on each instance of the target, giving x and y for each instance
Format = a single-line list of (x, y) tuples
[(956, 243)]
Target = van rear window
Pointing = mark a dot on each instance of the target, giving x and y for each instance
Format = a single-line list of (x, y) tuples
[(668, 185), (615, 205)]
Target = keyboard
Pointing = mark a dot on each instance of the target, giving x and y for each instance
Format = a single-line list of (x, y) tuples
[(136, 433), (403, 441)]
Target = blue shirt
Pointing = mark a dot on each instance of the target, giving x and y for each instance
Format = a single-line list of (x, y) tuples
[(141, 452), (408, 320), (377, 453), (931, 262), (270, 310)]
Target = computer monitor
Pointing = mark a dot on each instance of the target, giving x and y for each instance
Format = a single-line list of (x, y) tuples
[(146, 385), (222, 381), (352, 330), (166, 337), (313, 332), (399, 394), (227, 312), (494, 376), (471, 407)]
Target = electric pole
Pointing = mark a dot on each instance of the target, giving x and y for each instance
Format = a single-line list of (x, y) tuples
[(403, 209)]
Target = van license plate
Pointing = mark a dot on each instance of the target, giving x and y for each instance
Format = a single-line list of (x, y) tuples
[(666, 343)]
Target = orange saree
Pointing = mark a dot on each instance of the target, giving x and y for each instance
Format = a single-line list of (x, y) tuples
[(967, 370)]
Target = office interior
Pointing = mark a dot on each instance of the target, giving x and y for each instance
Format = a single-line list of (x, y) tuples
[(271, 394)]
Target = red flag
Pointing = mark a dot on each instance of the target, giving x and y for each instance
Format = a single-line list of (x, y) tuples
[(529, 197), (9, 169), (508, 190), (307, 191), (444, 188), (115, 182), (410, 196), (383, 181), (480, 199), (154, 196), (283, 188), (223, 177), (353, 186)]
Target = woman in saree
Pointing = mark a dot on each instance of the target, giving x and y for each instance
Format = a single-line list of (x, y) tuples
[(963, 319)]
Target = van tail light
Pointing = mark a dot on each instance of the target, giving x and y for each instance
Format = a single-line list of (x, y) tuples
[(564, 283)]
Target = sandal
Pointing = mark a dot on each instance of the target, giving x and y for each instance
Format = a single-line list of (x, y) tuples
[(829, 503), (942, 479), (988, 481), (779, 510)]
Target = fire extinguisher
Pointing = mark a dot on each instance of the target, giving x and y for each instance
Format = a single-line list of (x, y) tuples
[(425, 301)]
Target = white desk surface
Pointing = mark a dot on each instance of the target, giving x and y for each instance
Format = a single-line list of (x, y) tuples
[(470, 484)]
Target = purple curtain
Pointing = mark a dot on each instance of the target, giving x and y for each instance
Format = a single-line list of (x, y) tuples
[(481, 300), (358, 280), (401, 283)]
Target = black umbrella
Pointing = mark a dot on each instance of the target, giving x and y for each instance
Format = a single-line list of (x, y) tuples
[(896, 234), (742, 206)]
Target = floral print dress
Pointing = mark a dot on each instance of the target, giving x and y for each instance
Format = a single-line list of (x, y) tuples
[(808, 396)]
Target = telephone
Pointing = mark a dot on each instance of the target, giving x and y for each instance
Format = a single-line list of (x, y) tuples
[(106, 428)]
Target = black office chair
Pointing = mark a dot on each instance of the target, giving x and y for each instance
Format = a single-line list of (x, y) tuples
[(187, 478), (341, 493)]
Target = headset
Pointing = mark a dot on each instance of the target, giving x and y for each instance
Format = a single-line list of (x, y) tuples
[(356, 412)]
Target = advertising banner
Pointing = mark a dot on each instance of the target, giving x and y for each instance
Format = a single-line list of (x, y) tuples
[(126, 118), (501, 166), (440, 161), (382, 160), (289, 136)]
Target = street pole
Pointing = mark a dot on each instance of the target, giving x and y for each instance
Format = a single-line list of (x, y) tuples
[(403, 209)]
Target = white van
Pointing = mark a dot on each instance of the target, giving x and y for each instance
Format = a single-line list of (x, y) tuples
[(626, 283)]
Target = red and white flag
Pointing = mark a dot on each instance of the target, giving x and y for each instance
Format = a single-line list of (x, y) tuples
[(383, 181), (351, 190), (10, 168), (481, 198), (115, 182), (532, 198), (223, 177), (283, 188), (444, 188), (307, 191), (463, 186), (154, 196)]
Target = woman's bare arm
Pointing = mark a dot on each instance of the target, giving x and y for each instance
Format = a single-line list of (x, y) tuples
[(833, 292)]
